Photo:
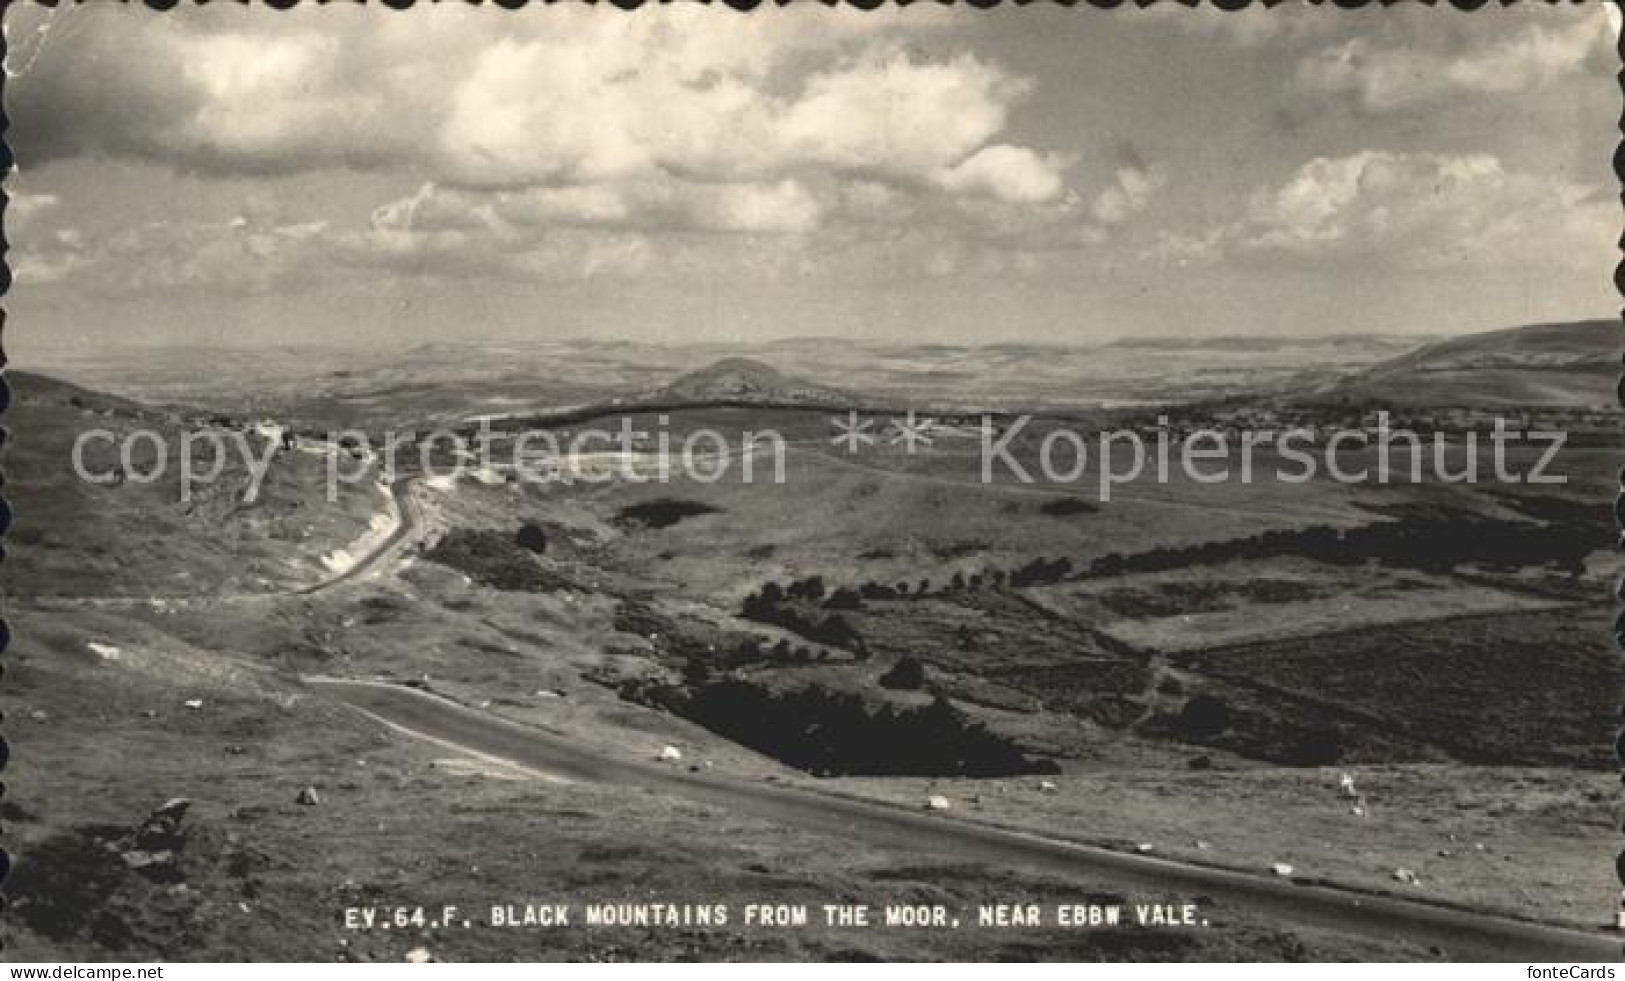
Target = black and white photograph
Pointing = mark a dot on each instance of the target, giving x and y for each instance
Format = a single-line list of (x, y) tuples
[(806, 483)]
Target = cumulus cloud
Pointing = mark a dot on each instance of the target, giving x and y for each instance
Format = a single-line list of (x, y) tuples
[(1416, 210), (580, 124), (1009, 173), (575, 96), (1384, 73)]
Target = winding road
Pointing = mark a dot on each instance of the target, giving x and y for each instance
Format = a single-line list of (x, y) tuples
[(387, 550), (1460, 934)]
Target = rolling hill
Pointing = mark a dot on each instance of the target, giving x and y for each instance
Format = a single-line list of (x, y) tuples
[(745, 380), (1560, 366), (73, 537)]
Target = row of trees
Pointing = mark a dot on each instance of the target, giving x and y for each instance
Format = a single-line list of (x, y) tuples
[(1432, 543)]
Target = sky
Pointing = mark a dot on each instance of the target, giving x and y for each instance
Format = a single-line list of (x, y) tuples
[(237, 176)]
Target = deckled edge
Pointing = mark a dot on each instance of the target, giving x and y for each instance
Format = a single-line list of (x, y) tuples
[(7, 164), (1619, 501)]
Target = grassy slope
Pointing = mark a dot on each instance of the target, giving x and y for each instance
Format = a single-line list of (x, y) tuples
[(74, 538), (1568, 365)]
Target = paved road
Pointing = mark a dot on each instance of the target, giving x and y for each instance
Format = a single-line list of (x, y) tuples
[(386, 550), (1461, 935)]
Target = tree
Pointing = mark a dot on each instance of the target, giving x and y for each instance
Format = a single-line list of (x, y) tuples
[(532, 538)]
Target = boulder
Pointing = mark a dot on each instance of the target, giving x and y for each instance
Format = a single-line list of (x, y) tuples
[(140, 859), (1282, 870), (169, 814), (159, 832), (936, 802), (671, 754), (419, 955), (308, 797)]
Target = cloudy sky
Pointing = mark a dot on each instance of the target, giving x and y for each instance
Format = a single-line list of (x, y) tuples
[(241, 176)]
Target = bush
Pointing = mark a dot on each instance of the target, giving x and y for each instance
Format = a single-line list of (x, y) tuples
[(1065, 507), (662, 512), (1318, 747), (908, 674), (531, 538), (493, 559), (1203, 717)]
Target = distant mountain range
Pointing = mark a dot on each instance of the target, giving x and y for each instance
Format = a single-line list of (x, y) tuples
[(1571, 365)]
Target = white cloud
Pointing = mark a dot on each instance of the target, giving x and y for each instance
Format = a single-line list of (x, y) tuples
[(24, 208), (887, 111), (1009, 173), (670, 121), (1250, 26), (574, 95), (38, 252), (1382, 74), (1410, 210)]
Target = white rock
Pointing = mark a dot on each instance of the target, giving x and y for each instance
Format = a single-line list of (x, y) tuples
[(1406, 876), (1145, 847), (106, 652), (419, 955), (671, 753), (1047, 786), (1282, 869), (194, 703), (936, 802)]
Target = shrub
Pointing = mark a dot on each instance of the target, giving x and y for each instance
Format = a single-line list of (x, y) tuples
[(1203, 717), (531, 538), (1318, 747), (908, 674), (493, 559), (662, 512)]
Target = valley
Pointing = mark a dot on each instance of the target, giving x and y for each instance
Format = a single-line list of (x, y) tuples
[(1183, 671)]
